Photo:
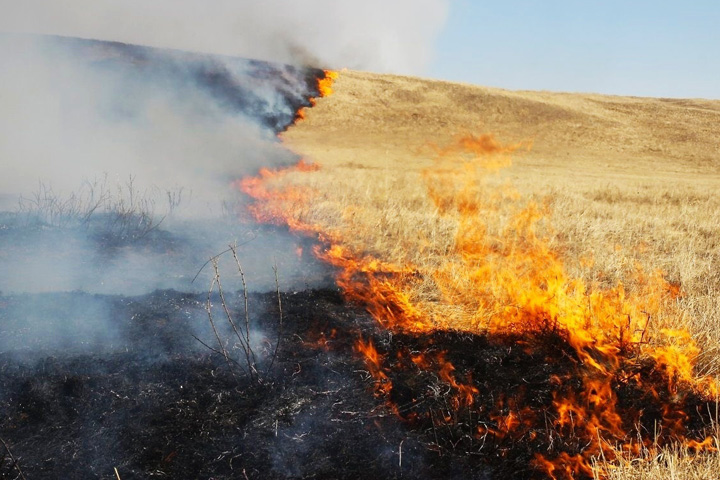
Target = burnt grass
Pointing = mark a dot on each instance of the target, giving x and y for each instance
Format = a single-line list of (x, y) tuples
[(156, 403), (152, 401)]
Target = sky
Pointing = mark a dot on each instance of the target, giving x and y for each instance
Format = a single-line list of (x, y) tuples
[(634, 47)]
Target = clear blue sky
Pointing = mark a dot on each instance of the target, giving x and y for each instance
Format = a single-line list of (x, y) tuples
[(635, 47)]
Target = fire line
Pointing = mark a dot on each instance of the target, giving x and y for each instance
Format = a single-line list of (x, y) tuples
[(622, 382)]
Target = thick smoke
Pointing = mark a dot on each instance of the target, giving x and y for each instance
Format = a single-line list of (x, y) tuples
[(82, 120), (118, 162), (118, 159), (75, 111), (395, 36)]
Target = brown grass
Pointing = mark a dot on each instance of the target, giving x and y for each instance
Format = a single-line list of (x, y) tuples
[(676, 463), (630, 181)]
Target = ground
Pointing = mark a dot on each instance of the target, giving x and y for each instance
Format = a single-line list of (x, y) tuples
[(627, 180)]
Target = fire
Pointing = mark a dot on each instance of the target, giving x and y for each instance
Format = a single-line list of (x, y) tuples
[(501, 277), (259, 188), (325, 84), (374, 362), (324, 88), (371, 281)]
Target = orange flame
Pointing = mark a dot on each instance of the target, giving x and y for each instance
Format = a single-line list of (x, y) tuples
[(261, 188), (373, 360), (325, 84), (508, 280), (324, 88)]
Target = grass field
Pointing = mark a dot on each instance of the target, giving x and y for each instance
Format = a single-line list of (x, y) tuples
[(619, 187)]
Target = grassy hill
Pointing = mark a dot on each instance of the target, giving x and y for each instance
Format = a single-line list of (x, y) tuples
[(626, 186), (628, 179)]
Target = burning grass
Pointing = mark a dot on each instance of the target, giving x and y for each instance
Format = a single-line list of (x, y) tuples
[(162, 405), (442, 246), (567, 331)]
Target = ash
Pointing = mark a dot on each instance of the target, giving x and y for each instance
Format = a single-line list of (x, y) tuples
[(157, 403)]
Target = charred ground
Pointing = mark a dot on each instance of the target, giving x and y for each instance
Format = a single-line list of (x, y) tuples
[(163, 405), (238, 85), (158, 403)]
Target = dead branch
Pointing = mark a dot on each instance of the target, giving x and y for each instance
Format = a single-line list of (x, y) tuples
[(14, 461), (208, 307), (244, 339), (215, 257), (280, 320), (248, 365), (233, 249)]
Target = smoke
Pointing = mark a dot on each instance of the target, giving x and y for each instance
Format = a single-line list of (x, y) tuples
[(385, 36), (151, 127), (170, 123), (123, 159), (149, 141), (55, 323)]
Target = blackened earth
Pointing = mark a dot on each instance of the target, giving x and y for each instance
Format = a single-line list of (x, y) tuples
[(153, 401), (160, 404)]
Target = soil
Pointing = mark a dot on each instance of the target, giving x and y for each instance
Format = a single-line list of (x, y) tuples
[(155, 402), (162, 405)]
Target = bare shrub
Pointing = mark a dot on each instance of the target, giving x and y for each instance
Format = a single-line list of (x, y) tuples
[(236, 347), (9, 466), (121, 211)]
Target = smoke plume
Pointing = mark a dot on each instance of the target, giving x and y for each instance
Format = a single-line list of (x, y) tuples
[(376, 35), (83, 120), (118, 158)]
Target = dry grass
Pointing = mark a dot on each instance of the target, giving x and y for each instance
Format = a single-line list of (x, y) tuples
[(676, 463), (630, 181)]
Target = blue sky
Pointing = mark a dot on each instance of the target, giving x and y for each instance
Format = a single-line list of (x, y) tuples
[(646, 48)]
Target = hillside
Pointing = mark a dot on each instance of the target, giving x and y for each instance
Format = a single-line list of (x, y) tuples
[(628, 180), (465, 282), (603, 235), (578, 133)]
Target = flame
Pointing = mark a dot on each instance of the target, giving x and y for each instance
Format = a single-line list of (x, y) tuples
[(325, 84), (374, 362), (501, 277), (261, 188), (323, 87)]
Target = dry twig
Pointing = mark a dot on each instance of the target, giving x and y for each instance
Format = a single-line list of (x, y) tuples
[(14, 461)]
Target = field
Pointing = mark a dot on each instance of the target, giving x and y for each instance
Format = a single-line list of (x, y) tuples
[(419, 279), (621, 187), (627, 179)]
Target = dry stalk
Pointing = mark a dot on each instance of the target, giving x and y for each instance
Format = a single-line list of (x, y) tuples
[(252, 361), (280, 320), (249, 365), (208, 308), (14, 461)]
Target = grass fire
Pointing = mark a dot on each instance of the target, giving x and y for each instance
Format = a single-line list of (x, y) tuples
[(452, 249), (372, 276)]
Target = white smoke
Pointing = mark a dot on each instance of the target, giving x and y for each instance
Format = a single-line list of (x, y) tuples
[(64, 122), (70, 114), (79, 117), (395, 36)]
